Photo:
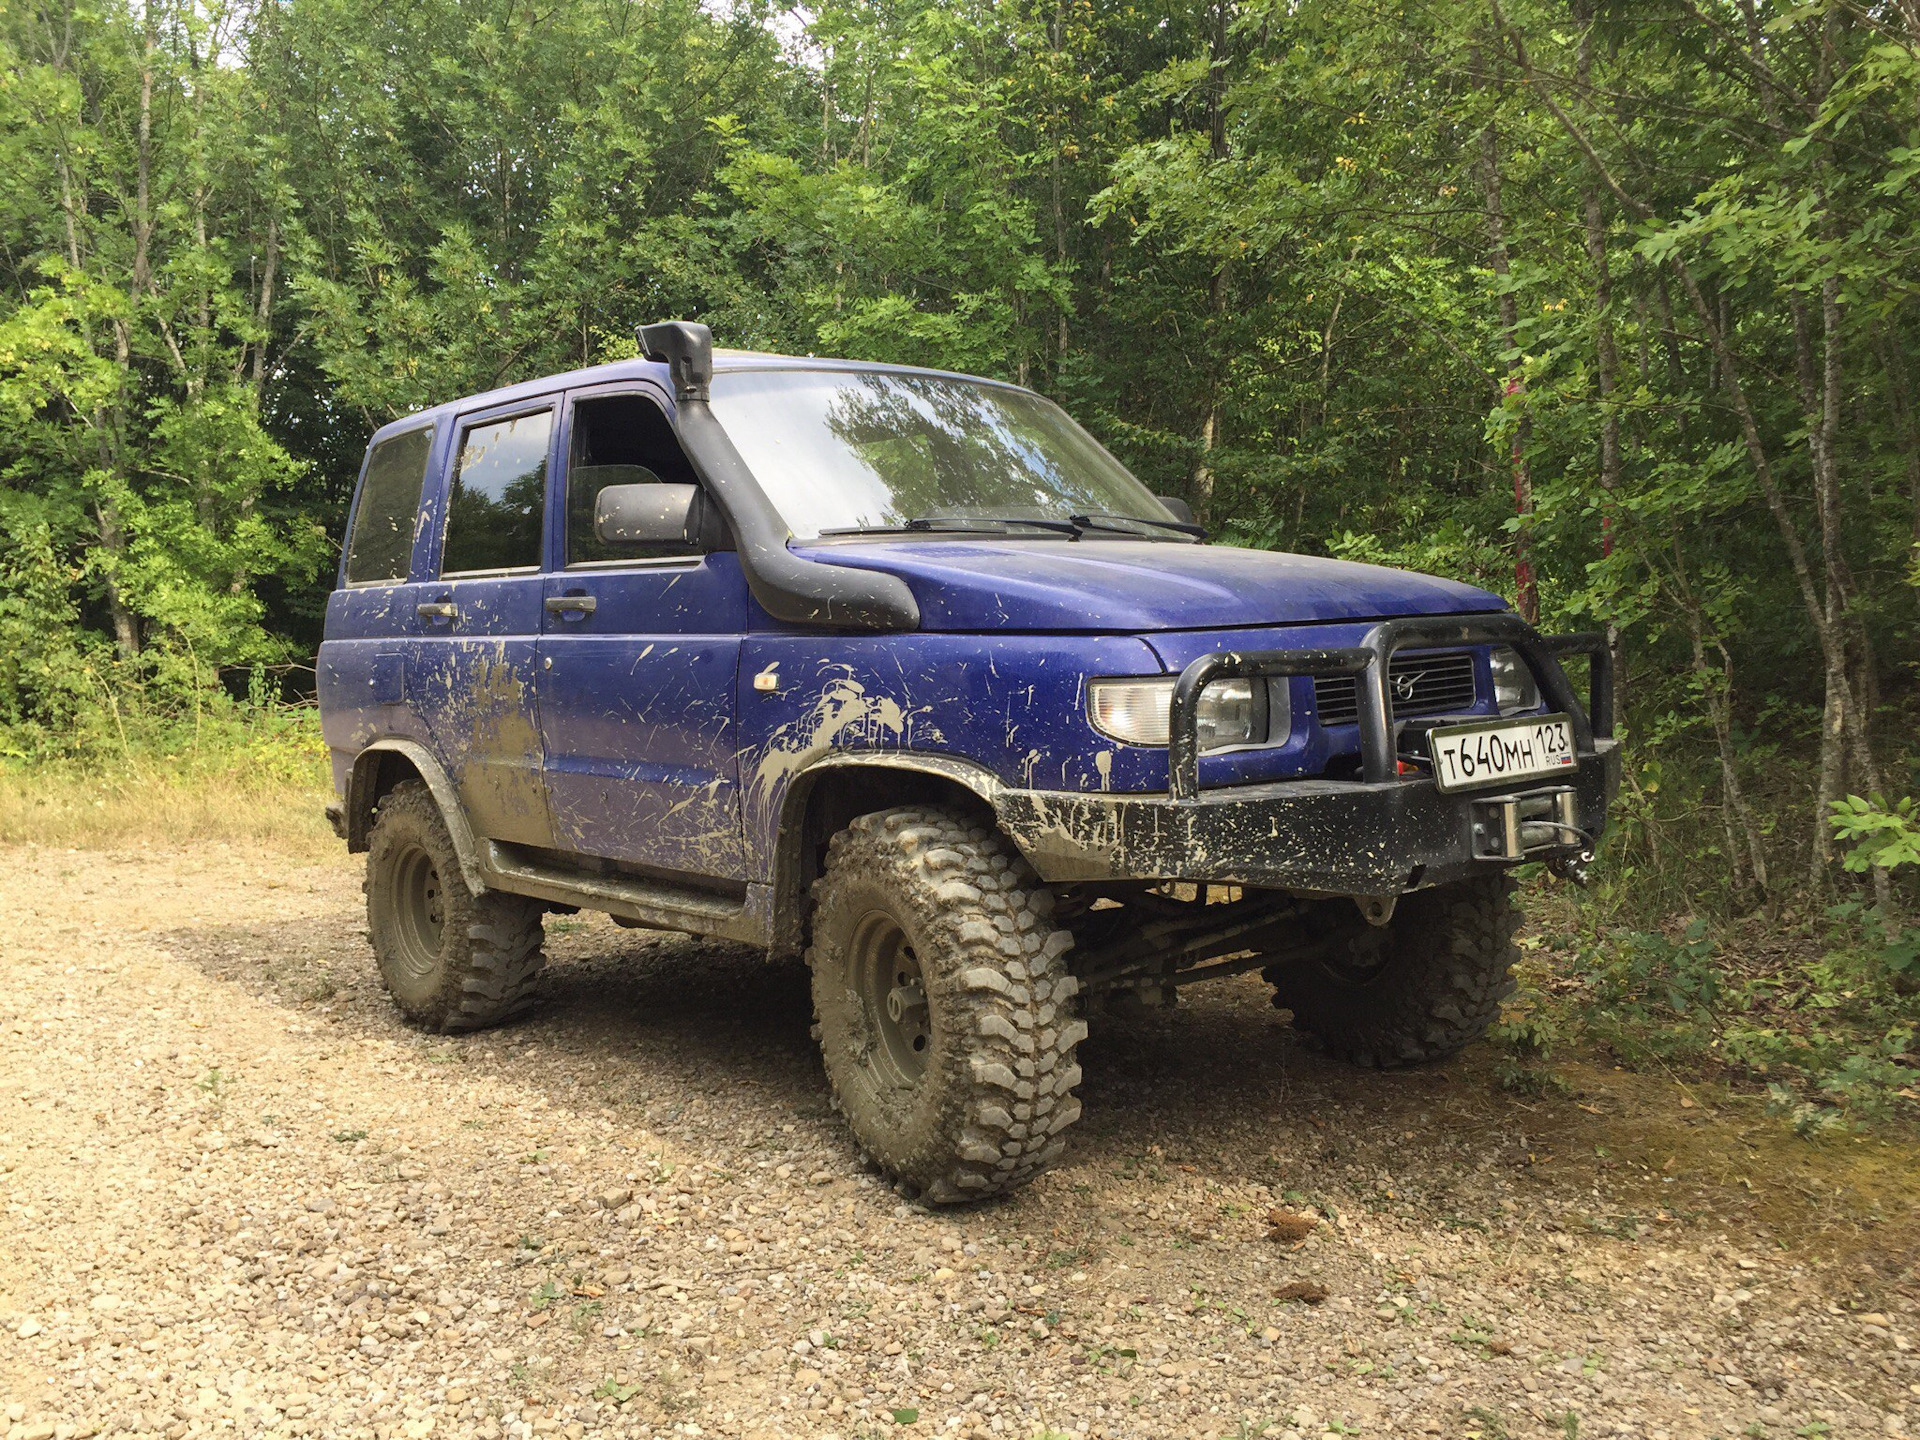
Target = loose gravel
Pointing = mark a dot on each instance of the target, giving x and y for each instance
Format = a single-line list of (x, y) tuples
[(240, 1197)]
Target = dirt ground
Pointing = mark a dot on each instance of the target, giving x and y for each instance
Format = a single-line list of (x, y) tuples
[(240, 1197)]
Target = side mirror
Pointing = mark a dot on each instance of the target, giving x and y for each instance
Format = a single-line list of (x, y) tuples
[(645, 514), (1180, 509)]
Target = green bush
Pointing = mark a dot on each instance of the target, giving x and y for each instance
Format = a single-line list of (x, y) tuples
[(1815, 1012)]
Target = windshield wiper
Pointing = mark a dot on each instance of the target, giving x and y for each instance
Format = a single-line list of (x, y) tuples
[(975, 522), (962, 525), (1073, 526), (1095, 521)]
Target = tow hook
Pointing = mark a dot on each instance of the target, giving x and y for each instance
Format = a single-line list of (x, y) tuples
[(1377, 908), (1575, 866)]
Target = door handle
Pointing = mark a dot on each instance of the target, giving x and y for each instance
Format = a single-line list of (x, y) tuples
[(437, 610), (565, 604)]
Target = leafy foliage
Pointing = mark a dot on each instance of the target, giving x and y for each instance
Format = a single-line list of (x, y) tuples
[(1879, 836)]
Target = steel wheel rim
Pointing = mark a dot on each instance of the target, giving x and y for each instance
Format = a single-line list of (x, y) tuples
[(420, 913), (893, 999), (1359, 965)]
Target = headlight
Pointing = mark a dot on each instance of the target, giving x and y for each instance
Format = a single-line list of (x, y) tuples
[(1231, 712), (1514, 689)]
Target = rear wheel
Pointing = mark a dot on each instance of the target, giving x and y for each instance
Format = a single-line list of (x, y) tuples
[(452, 960), (944, 1005), (1418, 988)]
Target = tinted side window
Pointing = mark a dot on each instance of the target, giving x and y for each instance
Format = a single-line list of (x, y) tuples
[(499, 491), (618, 440), (381, 546)]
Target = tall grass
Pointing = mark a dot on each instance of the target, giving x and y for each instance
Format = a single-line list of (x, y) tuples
[(126, 776)]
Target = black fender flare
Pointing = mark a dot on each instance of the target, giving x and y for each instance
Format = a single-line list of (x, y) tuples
[(360, 800), (969, 774), (789, 899)]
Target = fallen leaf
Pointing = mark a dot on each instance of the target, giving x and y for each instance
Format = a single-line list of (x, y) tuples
[(1288, 1226), (534, 1322), (589, 1292), (1307, 1292), (1686, 1102), (1499, 1347)]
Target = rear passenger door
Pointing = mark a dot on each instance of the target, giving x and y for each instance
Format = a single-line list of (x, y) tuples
[(479, 620), (638, 661)]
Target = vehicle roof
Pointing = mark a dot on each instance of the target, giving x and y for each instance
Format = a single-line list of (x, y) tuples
[(655, 371)]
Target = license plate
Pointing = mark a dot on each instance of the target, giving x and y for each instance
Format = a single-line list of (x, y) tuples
[(1501, 750)]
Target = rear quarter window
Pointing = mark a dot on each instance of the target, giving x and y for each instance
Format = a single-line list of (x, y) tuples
[(381, 546)]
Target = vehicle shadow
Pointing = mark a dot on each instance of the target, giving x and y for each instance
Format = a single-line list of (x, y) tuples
[(710, 1044)]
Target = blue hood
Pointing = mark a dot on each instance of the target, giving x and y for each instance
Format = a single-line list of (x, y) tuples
[(1138, 586)]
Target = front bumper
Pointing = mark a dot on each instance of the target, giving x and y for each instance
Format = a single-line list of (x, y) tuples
[(1344, 837), (1383, 834)]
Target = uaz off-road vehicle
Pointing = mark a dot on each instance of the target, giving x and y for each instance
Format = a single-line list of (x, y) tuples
[(901, 670)]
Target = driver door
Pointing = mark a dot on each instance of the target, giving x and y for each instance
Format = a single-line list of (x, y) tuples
[(639, 652)]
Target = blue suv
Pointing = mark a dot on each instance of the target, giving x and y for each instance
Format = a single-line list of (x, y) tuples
[(900, 670)]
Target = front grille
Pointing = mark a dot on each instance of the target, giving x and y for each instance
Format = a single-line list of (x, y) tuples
[(1418, 683)]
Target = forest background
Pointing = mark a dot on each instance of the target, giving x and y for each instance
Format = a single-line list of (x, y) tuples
[(1605, 304)]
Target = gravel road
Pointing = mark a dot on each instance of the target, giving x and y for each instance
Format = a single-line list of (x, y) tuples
[(240, 1197)]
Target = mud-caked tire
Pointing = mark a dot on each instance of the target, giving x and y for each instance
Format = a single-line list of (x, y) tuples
[(452, 960), (1417, 989), (944, 1008)]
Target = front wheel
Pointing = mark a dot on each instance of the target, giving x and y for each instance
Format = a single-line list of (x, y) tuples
[(944, 1005), (1419, 988)]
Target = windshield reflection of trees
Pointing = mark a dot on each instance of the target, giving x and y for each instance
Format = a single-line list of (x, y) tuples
[(946, 449)]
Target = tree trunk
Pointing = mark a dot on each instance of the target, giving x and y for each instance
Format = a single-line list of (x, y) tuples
[(1746, 852), (1900, 392), (143, 165), (1203, 461), (826, 114), (1844, 728), (263, 311), (1059, 191), (1606, 360), (108, 421), (1515, 390), (113, 540), (1203, 474)]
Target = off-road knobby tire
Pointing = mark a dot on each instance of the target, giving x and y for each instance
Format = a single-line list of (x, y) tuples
[(488, 958), (990, 1107), (1439, 970)]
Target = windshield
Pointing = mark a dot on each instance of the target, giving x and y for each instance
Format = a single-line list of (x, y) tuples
[(844, 450)]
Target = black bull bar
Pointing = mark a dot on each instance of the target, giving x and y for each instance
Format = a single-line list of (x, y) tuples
[(1382, 833), (1368, 662)]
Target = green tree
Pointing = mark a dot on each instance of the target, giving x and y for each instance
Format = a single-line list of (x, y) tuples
[(142, 219)]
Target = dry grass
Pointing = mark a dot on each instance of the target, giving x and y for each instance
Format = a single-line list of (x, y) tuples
[(257, 785)]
